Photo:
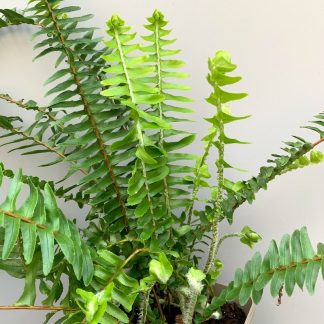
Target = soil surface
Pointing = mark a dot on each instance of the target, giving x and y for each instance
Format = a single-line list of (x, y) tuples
[(232, 314)]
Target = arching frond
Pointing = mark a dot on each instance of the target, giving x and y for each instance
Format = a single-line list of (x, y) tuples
[(295, 157), (294, 262)]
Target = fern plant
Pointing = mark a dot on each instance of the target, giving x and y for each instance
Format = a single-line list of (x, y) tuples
[(113, 119)]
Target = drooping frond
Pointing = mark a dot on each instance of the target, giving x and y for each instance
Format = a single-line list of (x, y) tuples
[(30, 140), (39, 223), (28, 105), (60, 192), (293, 262), (34, 138)]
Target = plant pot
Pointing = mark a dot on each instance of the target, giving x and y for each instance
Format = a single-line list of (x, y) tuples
[(249, 308)]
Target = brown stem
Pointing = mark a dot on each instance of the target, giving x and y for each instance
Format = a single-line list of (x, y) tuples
[(23, 219), (291, 265), (318, 142), (158, 303), (50, 148), (42, 308), (24, 106), (294, 264), (87, 108)]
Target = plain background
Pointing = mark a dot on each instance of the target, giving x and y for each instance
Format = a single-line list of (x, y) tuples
[(279, 48)]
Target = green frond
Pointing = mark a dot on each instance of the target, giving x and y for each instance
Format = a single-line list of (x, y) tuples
[(219, 67), (125, 68), (164, 68), (318, 125), (39, 228), (10, 17), (295, 157), (292, 262), (61, 192), (95, 121), (315, 157), (34, 139), (114, 113), (123, 290), (131, 87)]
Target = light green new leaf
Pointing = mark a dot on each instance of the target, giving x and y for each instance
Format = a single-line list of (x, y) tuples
[(144, 156), (161, 269)]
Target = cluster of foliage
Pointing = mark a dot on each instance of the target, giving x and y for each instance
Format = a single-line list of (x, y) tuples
[(113, 120)]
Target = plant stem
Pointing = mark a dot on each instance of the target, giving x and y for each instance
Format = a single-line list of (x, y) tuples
[(121, 267), (21, 104), (158, 304), (190, 305), (223, 238), (145, 304), (138, 125), (197, 179), (220, 181), (161, 135), (318, 142), (24, 219), (213, 246)]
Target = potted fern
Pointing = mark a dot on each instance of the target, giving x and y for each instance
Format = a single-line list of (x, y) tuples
[(113, 119)]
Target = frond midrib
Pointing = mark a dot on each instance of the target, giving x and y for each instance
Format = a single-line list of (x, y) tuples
[(87, 108), (137, 126)]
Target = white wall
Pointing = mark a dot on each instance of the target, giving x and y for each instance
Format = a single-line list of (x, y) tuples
[(279, 48)]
